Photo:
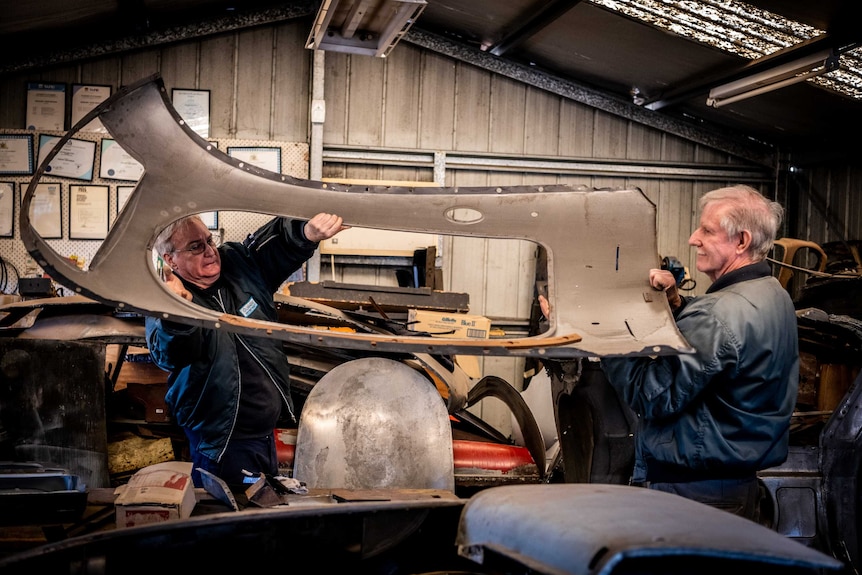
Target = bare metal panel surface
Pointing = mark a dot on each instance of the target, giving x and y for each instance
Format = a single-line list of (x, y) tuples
[(359, 425), (600, 243), (591, 528)]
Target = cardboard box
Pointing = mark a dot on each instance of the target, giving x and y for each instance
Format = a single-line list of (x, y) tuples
[(156, 493), (449, 325)]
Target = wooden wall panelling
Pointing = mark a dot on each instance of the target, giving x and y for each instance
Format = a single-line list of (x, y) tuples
[(577, 125), (406, 174), (401, 97), (336, 80), (643, 143), (292, 83), (472, 108), (610, 136), (676, 149), (253, 105), (508, 115), (102, 72), (13, 101), (542, 123), (366, 104), (674, 225), (437, 102), (179, 67), (217, 70), (135, 66)]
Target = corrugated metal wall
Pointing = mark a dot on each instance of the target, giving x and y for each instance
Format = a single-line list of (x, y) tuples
[(416, 100)]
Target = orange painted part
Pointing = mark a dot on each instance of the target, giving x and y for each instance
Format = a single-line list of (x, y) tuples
[(467, 454), (490, 456)]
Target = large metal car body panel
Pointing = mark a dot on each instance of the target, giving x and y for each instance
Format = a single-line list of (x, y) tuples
[(578, 528), (600, 243)]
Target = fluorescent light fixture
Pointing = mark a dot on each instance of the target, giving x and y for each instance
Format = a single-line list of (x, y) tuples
[(794, 72), (366, 27)]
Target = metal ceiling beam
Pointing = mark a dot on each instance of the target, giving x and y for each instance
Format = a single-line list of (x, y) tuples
[(701, 87), (546, 15)]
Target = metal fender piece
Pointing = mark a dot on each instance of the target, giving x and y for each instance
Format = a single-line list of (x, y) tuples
[(360, 429), (579, 528), (600, 243)]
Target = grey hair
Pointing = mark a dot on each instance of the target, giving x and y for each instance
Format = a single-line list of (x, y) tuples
[(747, 209), (164, 242)]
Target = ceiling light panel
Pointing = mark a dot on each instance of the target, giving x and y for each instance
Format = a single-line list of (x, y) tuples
[(741, 29)]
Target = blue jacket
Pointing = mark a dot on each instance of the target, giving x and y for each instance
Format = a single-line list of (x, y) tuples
[(204, 380), (725, 410)]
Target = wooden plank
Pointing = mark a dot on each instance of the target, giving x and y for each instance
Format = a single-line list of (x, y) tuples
[(508, 115), (365, 113), (401, 113), (643, 143), (13, 94), (254, 84), (610, 136), (337, 95), (354, 296), (576, 134), (179, 66), (135, 66), (217, 69), (472, 109), (291, 83), (542, 123), (104, 72), (437, 102)]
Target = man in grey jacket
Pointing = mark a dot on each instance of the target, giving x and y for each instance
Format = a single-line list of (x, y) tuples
[(708, 421)]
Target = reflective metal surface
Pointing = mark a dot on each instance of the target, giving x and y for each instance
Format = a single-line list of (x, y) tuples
[(600, 243), (374, 423), (591, 528)]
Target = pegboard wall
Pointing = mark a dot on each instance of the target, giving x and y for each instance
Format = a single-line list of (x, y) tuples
[(231, 226)]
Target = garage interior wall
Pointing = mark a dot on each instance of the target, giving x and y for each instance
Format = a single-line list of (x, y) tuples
[(397, 119)]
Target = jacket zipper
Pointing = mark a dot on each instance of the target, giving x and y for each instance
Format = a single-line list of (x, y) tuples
[(220, 302), (261, 364)]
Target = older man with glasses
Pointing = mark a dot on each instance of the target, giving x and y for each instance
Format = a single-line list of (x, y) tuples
[(229, 391)]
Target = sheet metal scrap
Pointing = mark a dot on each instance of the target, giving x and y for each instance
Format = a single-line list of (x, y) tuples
[(600, 243)]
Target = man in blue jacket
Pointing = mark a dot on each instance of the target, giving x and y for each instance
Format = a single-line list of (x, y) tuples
[(710, 420), (225, 390)]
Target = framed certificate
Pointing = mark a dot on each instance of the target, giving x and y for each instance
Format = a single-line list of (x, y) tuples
[(117, 164), (193, 106), (45, 210), (46, 106), (88, 212), (84, 99), (16, 154), (75, 160), (7, 209), (123, 193), (210, 219), (262, 157)]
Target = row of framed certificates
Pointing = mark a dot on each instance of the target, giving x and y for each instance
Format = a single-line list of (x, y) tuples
[(89, 210), (77, 158), (46, 106)]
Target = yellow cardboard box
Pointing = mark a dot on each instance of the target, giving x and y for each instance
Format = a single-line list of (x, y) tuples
[(449, 325)]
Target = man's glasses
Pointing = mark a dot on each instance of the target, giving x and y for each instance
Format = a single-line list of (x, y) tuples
[(197, 248)]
